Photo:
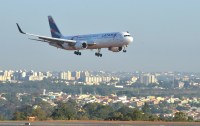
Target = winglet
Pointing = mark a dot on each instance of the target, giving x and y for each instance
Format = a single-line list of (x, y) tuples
[(20, 30)]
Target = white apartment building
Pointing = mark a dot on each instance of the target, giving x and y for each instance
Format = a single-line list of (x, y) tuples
[(147, 79), (66, 75)]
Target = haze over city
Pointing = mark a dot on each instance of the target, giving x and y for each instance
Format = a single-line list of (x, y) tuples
[(166, 34)]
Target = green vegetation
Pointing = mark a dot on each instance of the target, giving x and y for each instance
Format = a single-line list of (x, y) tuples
[(65, 111), (19, 108), (180, 116), (93, 111), (37, 87)]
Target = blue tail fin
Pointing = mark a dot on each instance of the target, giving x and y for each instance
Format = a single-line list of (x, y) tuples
[(55, 32)]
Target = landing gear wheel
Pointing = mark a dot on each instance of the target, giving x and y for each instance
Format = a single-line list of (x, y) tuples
[(77, 53), (98, 53)]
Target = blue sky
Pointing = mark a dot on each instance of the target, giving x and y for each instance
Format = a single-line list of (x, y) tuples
[(166, 34)]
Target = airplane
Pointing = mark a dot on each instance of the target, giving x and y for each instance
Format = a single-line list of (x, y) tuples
[(114, 41)]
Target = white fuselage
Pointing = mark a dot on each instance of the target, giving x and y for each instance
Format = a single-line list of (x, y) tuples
[(98, 41)]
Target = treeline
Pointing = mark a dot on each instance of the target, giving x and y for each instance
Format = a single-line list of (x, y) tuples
[(91, 111), (37, 87)]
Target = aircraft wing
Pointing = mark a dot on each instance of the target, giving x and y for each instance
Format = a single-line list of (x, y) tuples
[(47, 39)]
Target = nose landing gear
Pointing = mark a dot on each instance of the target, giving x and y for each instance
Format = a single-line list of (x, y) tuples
[(124, 49)]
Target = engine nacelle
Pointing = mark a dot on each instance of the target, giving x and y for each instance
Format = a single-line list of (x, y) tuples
[(115, 49), (81, 45)]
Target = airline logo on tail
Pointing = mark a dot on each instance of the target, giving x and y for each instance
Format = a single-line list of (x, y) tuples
[(55, 32)]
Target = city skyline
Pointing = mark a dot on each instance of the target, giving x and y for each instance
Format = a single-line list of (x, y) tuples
[(165, 93), (90, 76), (115, 71), (166, 35)]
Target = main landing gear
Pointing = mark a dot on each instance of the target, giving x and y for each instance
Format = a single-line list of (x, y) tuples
[(98, 54), (77, 52)]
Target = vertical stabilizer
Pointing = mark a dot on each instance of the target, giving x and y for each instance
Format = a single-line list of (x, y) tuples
[(55, 32)]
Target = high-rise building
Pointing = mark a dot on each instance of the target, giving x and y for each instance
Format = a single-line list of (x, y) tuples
[(48, 74), (69, 75), (6, 75), (147, 79), (34, 74), (66, 75), (153, 79), (86, 73), (63, 75), (23, 74), (78, 75), (40, 74)]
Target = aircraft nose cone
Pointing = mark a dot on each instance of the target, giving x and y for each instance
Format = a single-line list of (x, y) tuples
[(129, 40)]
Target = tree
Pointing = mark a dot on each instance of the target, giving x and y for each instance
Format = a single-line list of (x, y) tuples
[(2, 118), (11, 97), (46, 107), (147, 112), (97, 111), (146, 109), (19, 116), (64, 111), (26, 99), (117, 105), (125, 110), (26, 109), (153, 118), (162, 117), (190, 118), (103, 111), (82, 115), (22, 112), (39, 113), (7, 110), (180, 116), (90, 109), (130, 114), (115, 116), (180, 108), (137, 115)]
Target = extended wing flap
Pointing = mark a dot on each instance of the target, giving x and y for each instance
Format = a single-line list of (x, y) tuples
[(50, 39)]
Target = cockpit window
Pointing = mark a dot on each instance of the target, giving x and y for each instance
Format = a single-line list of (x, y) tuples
[(127, 35)]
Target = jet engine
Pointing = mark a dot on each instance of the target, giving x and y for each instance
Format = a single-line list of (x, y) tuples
[(81, 45), (115, 49)]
